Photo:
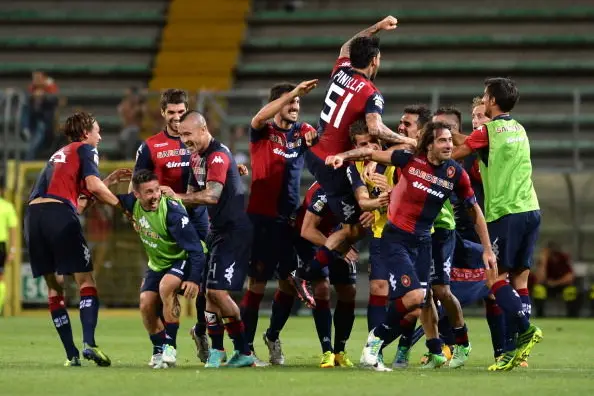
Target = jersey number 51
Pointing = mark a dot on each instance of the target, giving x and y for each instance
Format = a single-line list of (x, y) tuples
[(330, 105)]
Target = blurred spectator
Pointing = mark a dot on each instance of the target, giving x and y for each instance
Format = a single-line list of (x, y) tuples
[(131, 110), (554, 277), (39, 113)]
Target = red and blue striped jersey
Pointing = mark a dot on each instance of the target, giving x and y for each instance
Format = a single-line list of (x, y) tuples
[(63, 177), (167, 156), (277, 162), (349, 97), (422, 189)]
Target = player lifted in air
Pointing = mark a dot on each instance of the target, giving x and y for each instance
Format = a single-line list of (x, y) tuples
[(277, 144), (427, 180), (214, 181), (511, 208), (166, 156), (176, 261), (54, 235), (350, 96)]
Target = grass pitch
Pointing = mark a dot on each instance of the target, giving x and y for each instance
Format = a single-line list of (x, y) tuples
[(31, 359)]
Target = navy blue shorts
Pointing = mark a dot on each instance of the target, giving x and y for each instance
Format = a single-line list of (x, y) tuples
[(55, 239), (468, 254), (229, 258), (407, 258), (513, 238), (469, 292), (340, 272), (443, 243), (152, 279), (377, 267), (273, 249), (335, 183)]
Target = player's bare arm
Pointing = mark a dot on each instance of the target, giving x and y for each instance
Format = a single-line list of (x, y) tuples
[(460, 152), (310, 231), (209, 196), (100, 190), (481, 229), (388, 23), (267, 112), (458, 139), (360, 154), (378, 129), (369, 204)]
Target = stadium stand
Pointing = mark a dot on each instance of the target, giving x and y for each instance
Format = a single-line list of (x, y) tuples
[(547, 49)]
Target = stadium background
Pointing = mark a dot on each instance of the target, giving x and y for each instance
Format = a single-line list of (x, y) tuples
[(229, 52)]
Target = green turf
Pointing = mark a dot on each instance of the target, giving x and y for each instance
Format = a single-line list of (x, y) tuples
[(31, 364)]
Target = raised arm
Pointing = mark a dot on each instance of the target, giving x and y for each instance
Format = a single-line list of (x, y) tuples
[(388, 23), (364, 153), (269, 111)]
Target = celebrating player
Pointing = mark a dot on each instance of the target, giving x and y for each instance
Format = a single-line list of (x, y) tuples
[(54, 235), (511, 208), (214, 181), (413, 120), (166, 155), (428, 179), (176, 261), (351, 96), (276, 149), (315, 223)]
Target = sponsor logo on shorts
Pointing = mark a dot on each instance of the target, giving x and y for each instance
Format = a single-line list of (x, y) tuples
[(229, 273), (347, 210), (392, 281)]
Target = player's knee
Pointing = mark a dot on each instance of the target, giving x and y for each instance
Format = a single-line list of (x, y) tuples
[(322, 290), (147, 304), (414, 298), (442, 292), (346, 293), (354, 233), (286, 287), (168, 286), (256, 286), (216, 297), (378, 287)]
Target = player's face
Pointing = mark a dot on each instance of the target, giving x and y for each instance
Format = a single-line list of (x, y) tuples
[(478, 116), (93, 136), (409, 125), (448, 120), (194, 137), (442, 146), (363, 141), (172, 114), (489, 103), (375, 62), (149, 195), (290, 111)]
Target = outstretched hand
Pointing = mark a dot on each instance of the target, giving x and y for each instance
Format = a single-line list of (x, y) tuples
[(305, 87)]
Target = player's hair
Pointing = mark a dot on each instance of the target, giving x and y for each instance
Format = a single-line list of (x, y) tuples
[(450, 111), (422, 111), (173, 96), (279, 89), (358, 128), (428, 135), (77, 124), (477, 101), (143, 176), (504, 91), (362, 50), (189, 113)]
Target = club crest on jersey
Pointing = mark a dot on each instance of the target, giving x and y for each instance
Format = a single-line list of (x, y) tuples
[(451, 171), (405, 280)]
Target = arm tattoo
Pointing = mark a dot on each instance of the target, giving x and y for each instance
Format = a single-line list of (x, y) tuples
[(176, 310), (357, 154), (214, 189)]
